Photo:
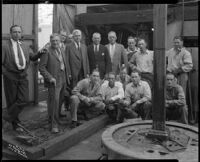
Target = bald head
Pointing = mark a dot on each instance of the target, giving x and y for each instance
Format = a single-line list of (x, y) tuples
[(112, 37), (96, 38)]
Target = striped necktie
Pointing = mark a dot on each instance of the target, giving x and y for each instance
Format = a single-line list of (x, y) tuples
[(21, 63)]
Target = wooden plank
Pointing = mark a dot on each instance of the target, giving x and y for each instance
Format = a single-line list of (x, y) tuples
[(116, 17), (25, 36), (73, 137), (191, 13), (7, 18), (36, 68), (160, 33), (23, 15)]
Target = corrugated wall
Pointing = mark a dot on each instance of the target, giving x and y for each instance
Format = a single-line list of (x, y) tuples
[(26, 16)]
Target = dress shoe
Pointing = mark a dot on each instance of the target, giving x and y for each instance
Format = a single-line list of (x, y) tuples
[(55, 130), (75, 124), (62, 115)]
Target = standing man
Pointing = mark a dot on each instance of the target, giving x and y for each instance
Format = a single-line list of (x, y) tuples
[(86, 95), (175, 103), (76, 53), (143, 62), (69, 39), (132, 49), (117, 53), (16, 57), (63, 38), (54, 68), (98, 56), (137, 98), (179, 62)]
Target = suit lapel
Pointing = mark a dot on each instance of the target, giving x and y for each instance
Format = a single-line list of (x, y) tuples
[(24, 51), (76, 53), (53, 52), (11, 49)]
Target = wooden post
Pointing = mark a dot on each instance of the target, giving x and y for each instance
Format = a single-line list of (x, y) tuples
[(35, 33), (158, 113)]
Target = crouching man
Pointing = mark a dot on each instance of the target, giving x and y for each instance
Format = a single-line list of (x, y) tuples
[(175, 104), (86, 95), (112, 92), (137, 100)]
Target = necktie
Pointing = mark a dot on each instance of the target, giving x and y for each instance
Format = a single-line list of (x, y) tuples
[(19, 55), (78, 46), (95, 49), (61, 60)]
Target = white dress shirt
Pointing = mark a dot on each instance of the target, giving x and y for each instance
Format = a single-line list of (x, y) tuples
[(77, 45), (108, 93), (14, 45), (112, 51), (97, 47)]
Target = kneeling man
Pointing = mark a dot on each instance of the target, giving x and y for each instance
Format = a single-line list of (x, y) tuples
[(137, 100), (175, 104), (86, 94)]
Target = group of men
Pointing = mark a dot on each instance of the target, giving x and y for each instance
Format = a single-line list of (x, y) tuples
[(95, 78)]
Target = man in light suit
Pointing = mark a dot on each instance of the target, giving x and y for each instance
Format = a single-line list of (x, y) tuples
[(55, 69), (98, 56), (16, 57), (76, 53), (117, 53)]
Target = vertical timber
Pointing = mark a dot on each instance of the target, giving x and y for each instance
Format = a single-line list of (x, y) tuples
[(158, 112)]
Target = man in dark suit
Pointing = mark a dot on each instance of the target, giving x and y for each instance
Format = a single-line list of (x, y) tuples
[(76, 53), (55, 69), (98, 56), (117, 53), (16, 57)]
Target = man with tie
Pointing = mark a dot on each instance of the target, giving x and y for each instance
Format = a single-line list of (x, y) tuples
[(98, 56), (117, 53), (16, 57), (54, 68), (76, 53)]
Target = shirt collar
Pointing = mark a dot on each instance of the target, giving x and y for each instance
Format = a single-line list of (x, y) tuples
[(140, 83), (129, 50), (13, 41), (76, 44), (146, 52)]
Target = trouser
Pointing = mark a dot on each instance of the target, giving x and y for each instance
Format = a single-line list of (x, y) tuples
[(77, 78), (76, 103), (113, 111), (149, 78), (182, 81), (16, 93), (143, 110), (55, 100), (179, 113)]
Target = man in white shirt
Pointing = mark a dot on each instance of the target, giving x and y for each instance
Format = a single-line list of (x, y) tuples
[(112, 92), (143, 62), (137, 98), (117, 53), (16, 57)]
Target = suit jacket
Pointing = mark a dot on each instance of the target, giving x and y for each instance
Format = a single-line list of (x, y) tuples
[(119, 57), (101, 58), (77, 61), (49, 66), (9, 67)]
